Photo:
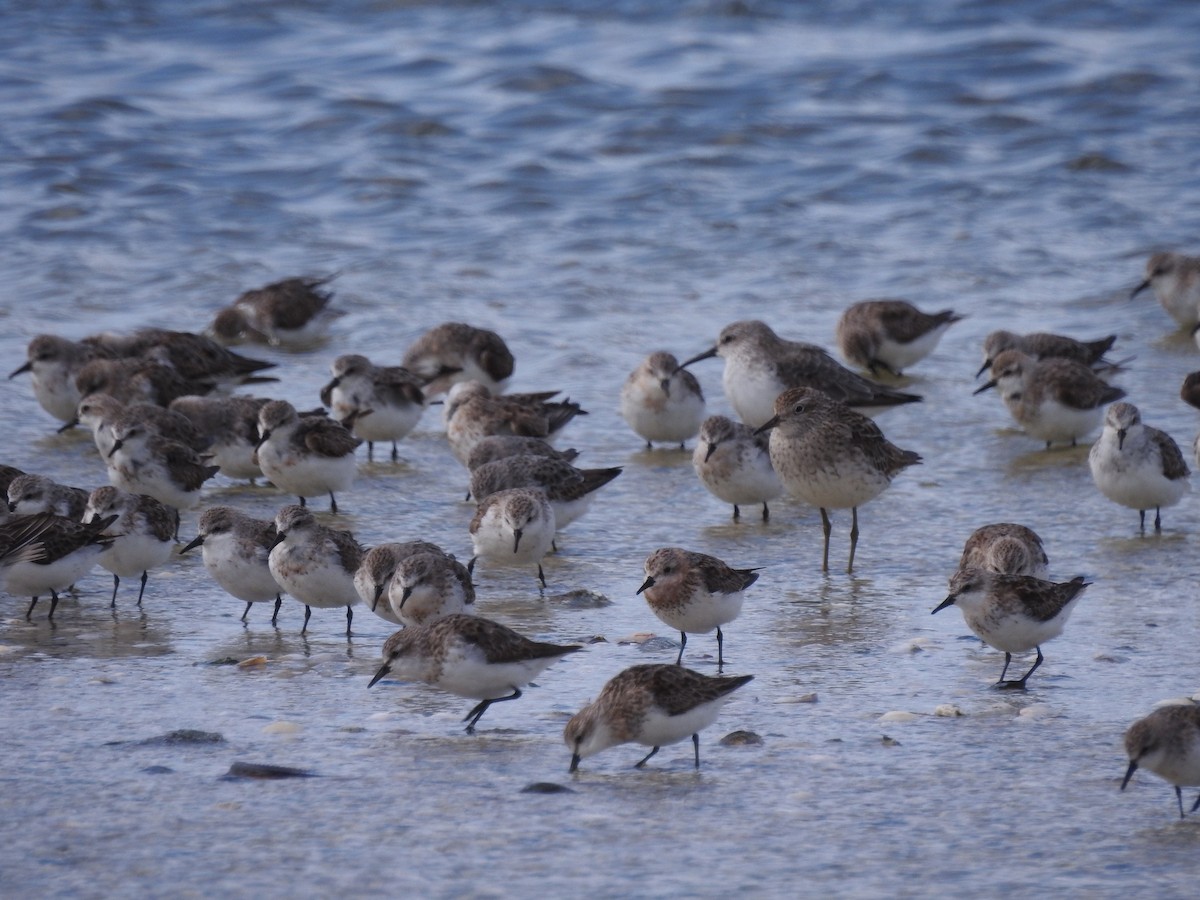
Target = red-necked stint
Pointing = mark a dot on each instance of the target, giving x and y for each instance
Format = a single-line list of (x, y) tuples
[(454, 352), (143, 534), (237, 549), (1136, 465), (734, 464), (377, 403), (694, 593), (1167, 742), (305, 455), (652, 705), (1043, 345), (292, 313), (315, 564), (1054, 400), (760, 365), (662, 402), (1013, 613), (1006, 549), (890, 334), (831, 457), (69, 550), (1175, 279), (469, 656), (513, 528)]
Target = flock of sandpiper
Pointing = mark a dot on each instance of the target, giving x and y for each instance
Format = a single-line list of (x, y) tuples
[(157, 405)]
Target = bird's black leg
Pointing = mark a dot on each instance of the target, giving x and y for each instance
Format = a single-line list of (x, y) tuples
[(142, 590), (247, 612), (766, 512), (682, 645), (278, 603), (1157, 519), (332, 503), (696, 744), (307, 614), (476, 713), (541, 576), (720, 651), (737, 513), (29, 612), (646, 758), (116, 584), (349, 619)]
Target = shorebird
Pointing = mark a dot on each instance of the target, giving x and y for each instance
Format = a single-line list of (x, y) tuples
[(291, 313), (230, 426), (102, 413), (53, 363), (1051, 399), (831, 457), (454, 352), (569, 490), (1013, 613), (29, 494), (143, 534), (734, 464), (377, 403), (143, 462), (1006, 549), (236, 552), (1175, 279), (1043, 345), (314, 563), (305, 455), (1136, 465), (469, 656), (760, 365), (498, 446), (1167, 742), (69, 550), (890, 334), (429, 585), (694, 593), (662, 402), (473, 413), (513, 527), (652, 705)]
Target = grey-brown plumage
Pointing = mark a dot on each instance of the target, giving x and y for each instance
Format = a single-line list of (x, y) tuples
[(1052, 399), (1044, 345), (236, 553), (7, 474), (1013, 613), (653, 705), (1006, 549), (54, 362), (694, 592), (19, 539), (104, 414), (831, 457), (1175, 279), (314, 563), (760, 365), (1167, 742), (287, 312), (195, 357), (305, 455), (469, 656), (454, 352), (567, 488), (379, 564), (734, 464), (430, 584), (498, 446), (378, 403), (473, 413), (143, 534), (144, 462), (890, 334), (29, 494), (69, 550), (137, 380), (230, 426)]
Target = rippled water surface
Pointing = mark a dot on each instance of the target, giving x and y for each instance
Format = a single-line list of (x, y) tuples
[(596, 181)]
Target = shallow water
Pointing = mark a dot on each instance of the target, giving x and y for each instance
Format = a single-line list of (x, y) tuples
[(595, 182)]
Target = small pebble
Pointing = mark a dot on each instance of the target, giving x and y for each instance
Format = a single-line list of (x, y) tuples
[(265, 771), (898, 715), (888, 741), (252, 662), (947, 710), (741, 739), (546, 787), (282, 728)]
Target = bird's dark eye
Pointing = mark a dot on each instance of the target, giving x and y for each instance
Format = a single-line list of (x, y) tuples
[(726, 339), (798, 408)]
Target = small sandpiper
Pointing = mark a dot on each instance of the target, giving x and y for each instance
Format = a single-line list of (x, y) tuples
[(230, 425), (514, 527), (1136, 465), (1051, 399), (314, 563), (143, 534), (831, 457), (499, 446), (651, 705), (1013, 613), (694, 593), (454, 352), (293, 313), (102, 413), (236, 552), (569, 490), (143, 462), (69, 550), (1167, 742), (1175, 279), (662, 402), (30, 493), (305, 455), (760, 365), (469, 656), (1043, 345), (473, 413), (1006, 549), (377, 403), (890, 334), (53, 362), (734, 464), (429, 585)]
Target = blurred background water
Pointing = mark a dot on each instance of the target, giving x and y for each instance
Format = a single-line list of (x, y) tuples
[(596, 181)]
